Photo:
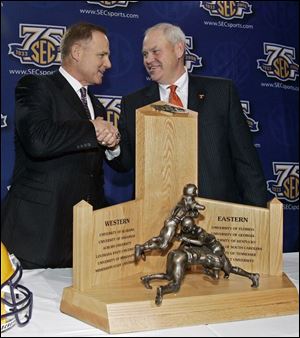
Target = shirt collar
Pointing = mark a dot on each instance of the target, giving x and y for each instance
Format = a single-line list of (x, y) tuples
[(180, 83), (76, 85)]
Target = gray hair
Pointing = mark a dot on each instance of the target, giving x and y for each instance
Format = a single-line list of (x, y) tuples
[(174, 34)]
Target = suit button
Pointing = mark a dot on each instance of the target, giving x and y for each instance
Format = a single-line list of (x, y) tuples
[(91, 175)]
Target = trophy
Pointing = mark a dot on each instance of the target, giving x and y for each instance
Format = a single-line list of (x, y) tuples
[(106, 290)]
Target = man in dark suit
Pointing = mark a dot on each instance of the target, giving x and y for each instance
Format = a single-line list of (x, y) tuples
[(61, 137), (229, 167)]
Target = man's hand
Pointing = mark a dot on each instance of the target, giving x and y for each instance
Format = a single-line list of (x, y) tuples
[(106, 134)]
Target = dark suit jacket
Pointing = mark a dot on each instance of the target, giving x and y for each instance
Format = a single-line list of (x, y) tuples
[(58, 163), (229, 168)]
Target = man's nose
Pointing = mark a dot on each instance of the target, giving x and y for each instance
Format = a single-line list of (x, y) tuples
[(148, 59), (107, 63)]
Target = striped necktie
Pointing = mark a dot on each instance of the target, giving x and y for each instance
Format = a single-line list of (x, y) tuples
[(83, 93)]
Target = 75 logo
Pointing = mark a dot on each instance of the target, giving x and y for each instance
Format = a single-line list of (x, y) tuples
[(286, 187)]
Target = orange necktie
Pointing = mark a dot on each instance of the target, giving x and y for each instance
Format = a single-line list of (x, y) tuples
[(173, 97)]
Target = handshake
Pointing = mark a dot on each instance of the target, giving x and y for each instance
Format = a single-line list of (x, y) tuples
[(107, 135)]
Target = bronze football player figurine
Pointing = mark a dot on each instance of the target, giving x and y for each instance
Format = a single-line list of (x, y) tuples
[(187, 206), (197, 247)]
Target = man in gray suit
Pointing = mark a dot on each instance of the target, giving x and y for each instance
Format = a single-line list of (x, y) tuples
[(61, 137), (229, 168)]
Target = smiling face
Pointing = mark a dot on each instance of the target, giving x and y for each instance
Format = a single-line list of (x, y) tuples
[(92, 59), (163, 60)]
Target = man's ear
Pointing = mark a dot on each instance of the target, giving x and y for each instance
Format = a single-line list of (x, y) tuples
[(179, 49), (76, 51)]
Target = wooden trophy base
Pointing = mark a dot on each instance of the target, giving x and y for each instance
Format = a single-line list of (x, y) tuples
[(127, 306)]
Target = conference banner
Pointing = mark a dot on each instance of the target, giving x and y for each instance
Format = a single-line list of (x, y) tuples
[(254, 43)]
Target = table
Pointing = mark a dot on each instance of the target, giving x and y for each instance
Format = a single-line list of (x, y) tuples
[(47, 320)]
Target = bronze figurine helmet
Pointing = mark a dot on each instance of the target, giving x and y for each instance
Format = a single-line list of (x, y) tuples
[(190, 190), (187, 224)]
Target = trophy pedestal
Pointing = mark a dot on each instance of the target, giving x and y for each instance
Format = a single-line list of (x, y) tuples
[(127, 306)]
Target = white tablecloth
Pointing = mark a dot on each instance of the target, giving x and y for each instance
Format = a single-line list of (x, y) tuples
[(47, 320)]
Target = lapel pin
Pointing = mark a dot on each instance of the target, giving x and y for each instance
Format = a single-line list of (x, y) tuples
[(201, 96)]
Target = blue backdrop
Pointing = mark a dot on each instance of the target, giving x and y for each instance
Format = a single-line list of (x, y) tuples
[(255, 43)]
